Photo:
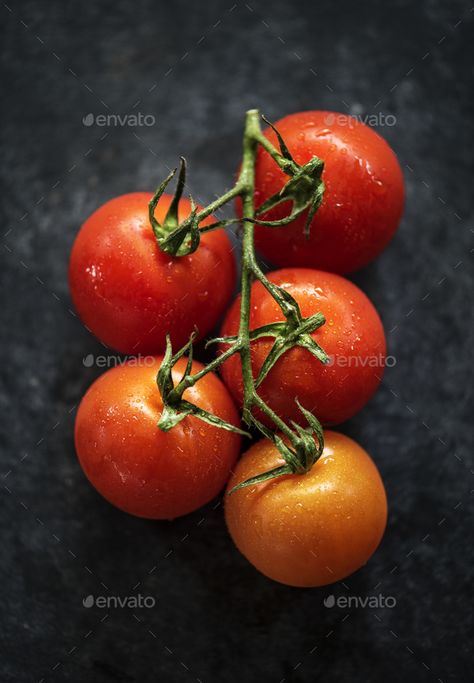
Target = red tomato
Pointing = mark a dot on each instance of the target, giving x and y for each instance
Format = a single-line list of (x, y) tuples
[(308, 529), (136, 466), (130, 294), (352, 336), (362, 204)]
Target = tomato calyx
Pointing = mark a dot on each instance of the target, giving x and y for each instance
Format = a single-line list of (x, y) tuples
[(289, 336), (175, 407), (299, 446), (183, 238), (177, 239), (300, 450), (305, 188)]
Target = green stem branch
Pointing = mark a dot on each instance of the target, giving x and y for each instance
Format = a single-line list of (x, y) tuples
[(299, 449), (220, 201), (247, 180)]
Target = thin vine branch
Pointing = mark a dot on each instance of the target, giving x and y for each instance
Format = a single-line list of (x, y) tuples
[(300, 446)]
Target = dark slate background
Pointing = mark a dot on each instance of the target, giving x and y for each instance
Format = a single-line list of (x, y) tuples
[(196, 67)]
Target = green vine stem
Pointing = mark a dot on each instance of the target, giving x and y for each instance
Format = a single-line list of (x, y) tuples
[(299, 446)]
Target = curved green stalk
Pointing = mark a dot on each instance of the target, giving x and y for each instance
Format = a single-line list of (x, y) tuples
[(299, 448)]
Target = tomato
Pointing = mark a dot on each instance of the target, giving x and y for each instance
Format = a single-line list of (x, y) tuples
[(352, 336), (130, 294), (362, 203), (136, 466), (308, 529)]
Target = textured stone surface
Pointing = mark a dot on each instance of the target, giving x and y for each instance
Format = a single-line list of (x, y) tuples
[(196, 67)]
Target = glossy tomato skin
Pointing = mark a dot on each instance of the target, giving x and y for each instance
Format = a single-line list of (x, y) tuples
[(362, 204), (130, 294), (137, 467), (310, 529), (352, 336)]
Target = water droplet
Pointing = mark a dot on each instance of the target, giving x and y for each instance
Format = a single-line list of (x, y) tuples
[(379, 187)]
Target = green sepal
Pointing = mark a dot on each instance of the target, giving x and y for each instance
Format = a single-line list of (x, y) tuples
[(305, 189), (283, 148), (212, 419), (185, 238), (261, 478), (300, 457), (313, 207), (288, 337), (164, 378), (280, 346), (170, 417), (270, 330), (307, 342), (175, 408), (289, 456), (156, 226), (315, 425), (173, 237), (171, 221)]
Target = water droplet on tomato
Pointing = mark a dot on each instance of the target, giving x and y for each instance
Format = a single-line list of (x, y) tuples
[(379, 187)]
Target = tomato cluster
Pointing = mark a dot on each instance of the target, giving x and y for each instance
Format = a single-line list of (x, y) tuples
[(304, 529)]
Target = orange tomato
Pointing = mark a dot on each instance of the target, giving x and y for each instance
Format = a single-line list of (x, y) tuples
[(310, 529)]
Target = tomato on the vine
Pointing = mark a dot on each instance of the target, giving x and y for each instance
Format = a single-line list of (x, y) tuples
[(130, 294), (362, 203), (137, 467), (308, 529), (352, 336)]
